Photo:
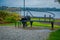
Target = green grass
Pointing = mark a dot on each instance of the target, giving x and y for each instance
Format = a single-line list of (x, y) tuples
[(9, 24), (44, 24), (35, 24), (47, 19), (54, 35), (56, 20), (40, 24)]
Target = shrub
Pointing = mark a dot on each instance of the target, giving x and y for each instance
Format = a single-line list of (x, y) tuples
[(9, 16), (3, 14)]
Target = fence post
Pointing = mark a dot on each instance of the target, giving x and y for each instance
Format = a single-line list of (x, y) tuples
[(45, 17), (49, 17), (15, 24), (18, 24)]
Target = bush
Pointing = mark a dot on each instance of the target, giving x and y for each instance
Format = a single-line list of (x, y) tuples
[(3, 14), (12, 18), (9, 16)]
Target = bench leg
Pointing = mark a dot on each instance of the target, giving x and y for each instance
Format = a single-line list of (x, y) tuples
[(52, 25), (31, 22), (24, 24)]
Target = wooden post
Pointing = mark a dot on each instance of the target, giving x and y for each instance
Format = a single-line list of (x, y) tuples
[(18, 24), (49, 17), (39, 19), (15, 24), (45, 17)]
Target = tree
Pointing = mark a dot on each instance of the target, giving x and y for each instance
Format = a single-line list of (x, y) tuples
[(58, 1)]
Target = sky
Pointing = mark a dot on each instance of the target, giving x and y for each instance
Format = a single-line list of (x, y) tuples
[(30, 3)]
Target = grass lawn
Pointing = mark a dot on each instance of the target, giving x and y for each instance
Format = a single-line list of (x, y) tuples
[(57, 20), (10, 24), (35, 24), (38, 24), (55, 35), (45, 25)]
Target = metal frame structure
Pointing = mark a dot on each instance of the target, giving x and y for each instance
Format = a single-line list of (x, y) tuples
[(26, 19)]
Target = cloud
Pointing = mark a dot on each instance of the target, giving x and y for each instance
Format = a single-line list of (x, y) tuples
[(30, 3)]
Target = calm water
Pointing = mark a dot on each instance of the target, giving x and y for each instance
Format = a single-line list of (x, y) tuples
[(40, 14)]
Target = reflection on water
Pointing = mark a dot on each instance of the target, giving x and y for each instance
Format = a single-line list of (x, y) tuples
[(40, 14)]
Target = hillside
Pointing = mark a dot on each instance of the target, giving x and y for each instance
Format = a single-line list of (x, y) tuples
[(27, 8)]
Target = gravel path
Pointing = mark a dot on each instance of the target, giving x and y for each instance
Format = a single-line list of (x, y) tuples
[(7, 33)]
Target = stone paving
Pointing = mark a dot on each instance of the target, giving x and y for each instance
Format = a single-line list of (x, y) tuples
[(7, 33)]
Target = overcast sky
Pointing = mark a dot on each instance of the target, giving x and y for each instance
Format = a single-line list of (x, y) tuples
[(30, 3)]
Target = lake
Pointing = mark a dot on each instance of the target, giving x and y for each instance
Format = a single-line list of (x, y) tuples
[(40, 14)]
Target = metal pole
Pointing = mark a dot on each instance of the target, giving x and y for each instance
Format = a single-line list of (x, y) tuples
[(24, 8)]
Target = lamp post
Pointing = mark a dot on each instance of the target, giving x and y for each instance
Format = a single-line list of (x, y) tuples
[(24, 7)]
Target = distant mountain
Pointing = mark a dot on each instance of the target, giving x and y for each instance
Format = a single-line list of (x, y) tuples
[(42, 9), (3, 7), (13, 9), (28, 9)]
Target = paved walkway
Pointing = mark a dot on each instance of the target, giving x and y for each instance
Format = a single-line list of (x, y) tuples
[(7, 33)]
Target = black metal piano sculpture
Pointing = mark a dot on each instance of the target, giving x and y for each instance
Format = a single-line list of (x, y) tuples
[(27, 18)]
